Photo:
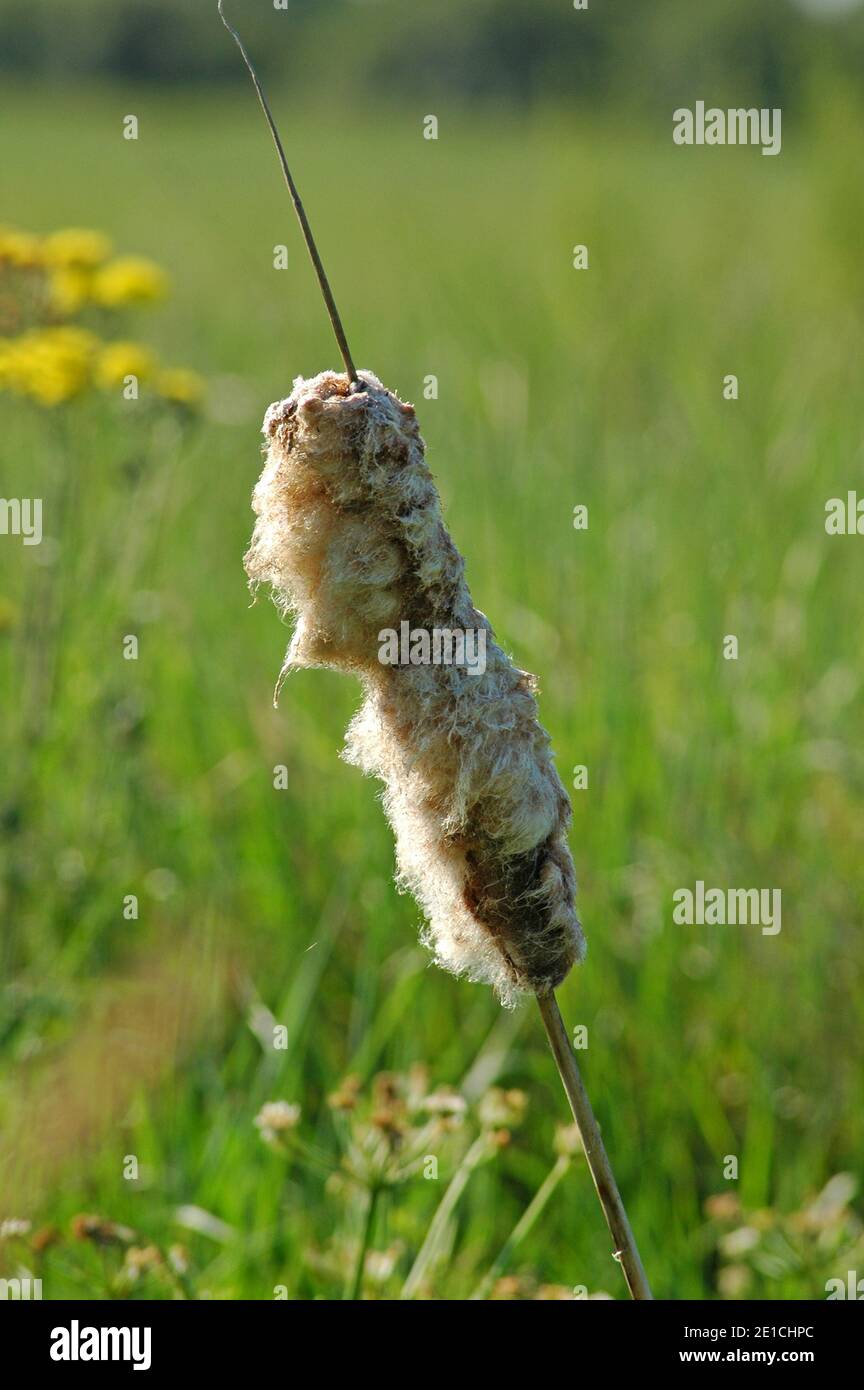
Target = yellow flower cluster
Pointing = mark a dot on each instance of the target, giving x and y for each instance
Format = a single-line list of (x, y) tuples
[(52, 365), (53, 279), (118, 362), (74, 246), (80, 269), (127, 280)]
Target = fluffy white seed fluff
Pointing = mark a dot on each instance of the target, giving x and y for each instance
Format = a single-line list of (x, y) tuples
[(349, 533)]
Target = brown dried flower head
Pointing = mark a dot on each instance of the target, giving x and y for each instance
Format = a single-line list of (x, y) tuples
[(99, 1231), (349, 533)]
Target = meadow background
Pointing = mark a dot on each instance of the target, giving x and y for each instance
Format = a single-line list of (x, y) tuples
[(153, 1037)]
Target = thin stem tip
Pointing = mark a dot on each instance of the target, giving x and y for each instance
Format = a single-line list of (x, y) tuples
[(329, 301)]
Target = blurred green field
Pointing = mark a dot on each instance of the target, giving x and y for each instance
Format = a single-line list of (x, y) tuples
[(155, 777)]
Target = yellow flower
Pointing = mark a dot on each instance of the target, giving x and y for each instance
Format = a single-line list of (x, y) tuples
[(19, 248), (116, 361), (180, 385), (76, 246), (61, 364), (69, 288), (128, 280), (51, 365)]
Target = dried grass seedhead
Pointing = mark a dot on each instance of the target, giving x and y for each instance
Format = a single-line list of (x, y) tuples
[(350, 536)]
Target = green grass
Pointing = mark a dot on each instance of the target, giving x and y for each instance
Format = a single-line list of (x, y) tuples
[(706, 518)]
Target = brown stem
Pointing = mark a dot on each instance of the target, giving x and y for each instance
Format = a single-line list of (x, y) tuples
[(626, 1252), (298, 208)]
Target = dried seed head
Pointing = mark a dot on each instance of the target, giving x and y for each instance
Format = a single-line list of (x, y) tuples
[(99, 1231), (276, 1119), (349, 533)]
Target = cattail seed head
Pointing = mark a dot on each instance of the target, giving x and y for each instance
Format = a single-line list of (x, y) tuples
[(350, 536)]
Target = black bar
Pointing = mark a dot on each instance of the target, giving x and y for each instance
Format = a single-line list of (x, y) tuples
[(245, 1337)]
